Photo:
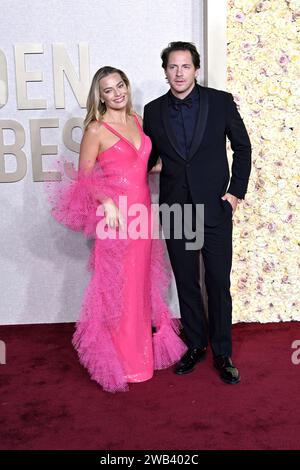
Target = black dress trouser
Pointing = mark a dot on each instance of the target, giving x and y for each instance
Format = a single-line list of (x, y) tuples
[(217, 258)]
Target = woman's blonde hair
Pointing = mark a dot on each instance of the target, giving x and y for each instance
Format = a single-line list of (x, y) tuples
[(95, 108)]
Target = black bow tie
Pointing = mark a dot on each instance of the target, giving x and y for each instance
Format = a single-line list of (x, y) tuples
[(188, 102)]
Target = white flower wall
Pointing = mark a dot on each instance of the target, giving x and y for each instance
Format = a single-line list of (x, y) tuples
[(264, 77)]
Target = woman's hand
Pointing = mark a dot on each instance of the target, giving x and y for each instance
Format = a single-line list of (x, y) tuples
[(113, 217)]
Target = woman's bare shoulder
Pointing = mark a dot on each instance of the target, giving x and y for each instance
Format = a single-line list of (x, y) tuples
[(94, 127), (95, 132)]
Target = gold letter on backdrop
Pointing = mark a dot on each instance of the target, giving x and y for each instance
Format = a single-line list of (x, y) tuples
[(22, 76), (38, 150), (68, 134), (3, 80), (70, 143), (12, 149), (63, 65)]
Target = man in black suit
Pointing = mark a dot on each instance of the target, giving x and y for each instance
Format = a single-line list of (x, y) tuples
[(188, 127)]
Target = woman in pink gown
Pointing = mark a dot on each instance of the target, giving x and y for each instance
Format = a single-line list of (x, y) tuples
[(109, 200)]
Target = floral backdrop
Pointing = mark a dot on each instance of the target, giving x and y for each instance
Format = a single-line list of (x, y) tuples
[(263, 66)]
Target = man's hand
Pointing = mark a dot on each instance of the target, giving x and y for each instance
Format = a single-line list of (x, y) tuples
[(233, 200)]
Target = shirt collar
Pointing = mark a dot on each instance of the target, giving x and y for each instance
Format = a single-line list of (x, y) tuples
[(194, 95)]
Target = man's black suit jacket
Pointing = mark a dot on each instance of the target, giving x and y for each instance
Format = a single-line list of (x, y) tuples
[(205, 171)]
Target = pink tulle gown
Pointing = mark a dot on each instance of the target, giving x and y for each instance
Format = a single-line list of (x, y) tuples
[(125, 300)]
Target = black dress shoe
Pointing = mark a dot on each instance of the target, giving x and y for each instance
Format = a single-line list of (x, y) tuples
[(228, 372), (188, 362)]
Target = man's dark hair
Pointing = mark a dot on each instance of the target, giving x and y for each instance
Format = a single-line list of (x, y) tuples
[(180, 46)]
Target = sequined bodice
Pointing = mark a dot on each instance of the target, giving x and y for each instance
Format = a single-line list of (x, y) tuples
[(126, 166)]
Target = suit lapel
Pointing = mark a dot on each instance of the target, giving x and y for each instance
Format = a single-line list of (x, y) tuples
[(167, 125), (201, 122)]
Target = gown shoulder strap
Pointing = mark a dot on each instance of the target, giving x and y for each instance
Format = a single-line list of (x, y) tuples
[(111, 129), (137, 121)]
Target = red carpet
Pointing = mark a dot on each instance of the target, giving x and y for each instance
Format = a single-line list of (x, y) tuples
[(49, 402)]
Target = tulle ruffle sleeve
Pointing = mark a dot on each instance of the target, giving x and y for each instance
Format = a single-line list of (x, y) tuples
[(76, 200)]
